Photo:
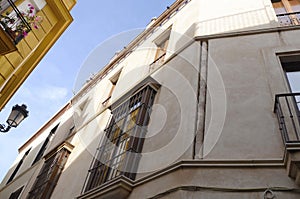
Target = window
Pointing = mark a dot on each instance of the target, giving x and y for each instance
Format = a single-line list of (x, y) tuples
[(287, 11), (49, 174), (71, 130), (114, 79), (291, 66), (16, 194), (18, 167), (44, 146), (120, 150), (162, 44)]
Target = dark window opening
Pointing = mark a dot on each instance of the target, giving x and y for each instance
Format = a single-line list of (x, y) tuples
[(16, 194), (18, 167), (291, 66), (45, 145)]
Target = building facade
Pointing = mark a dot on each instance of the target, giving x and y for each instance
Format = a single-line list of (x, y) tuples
[(204, 103), (23, 42)]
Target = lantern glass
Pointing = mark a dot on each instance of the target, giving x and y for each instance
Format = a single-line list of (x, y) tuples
[(17, 115)]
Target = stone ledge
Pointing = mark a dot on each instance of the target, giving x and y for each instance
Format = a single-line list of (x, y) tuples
[(119, 188)]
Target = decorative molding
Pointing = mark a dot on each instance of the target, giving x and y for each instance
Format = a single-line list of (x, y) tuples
[(65, 145), (247, 32)]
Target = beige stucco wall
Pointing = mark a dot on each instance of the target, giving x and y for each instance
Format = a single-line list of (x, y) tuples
[(27, 172), (252, 75), (215, 180), (244, 74)]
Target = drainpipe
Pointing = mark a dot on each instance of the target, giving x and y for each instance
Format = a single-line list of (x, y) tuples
[(201, 101)]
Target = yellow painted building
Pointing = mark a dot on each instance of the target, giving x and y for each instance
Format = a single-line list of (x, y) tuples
[(18, 59)]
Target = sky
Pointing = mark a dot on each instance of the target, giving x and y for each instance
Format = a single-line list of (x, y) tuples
[(52, 84)]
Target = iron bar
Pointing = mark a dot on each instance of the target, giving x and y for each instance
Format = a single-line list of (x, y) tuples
[(288, 116), (10, 24)]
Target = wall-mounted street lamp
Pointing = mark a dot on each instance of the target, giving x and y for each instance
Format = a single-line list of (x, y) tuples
[(17, 115)]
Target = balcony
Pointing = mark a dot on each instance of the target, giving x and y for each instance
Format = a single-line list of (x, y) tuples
[(157, 62), (287, 109), (289, 19), (13, 26)]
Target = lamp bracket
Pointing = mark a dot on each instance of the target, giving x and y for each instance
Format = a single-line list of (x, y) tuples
[(4, 128)]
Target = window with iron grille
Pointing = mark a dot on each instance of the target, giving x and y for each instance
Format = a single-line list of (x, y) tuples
[(49, 175), (291, 67), (119, 152), (287, 105)]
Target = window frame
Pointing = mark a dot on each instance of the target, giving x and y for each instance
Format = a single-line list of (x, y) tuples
[(113, 80), (291, 63), (17, 168), (162, 43), (48, 176), (16, 194), (115, 135)]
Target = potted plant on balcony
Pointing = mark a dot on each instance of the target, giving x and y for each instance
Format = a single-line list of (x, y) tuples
[(19, 23)]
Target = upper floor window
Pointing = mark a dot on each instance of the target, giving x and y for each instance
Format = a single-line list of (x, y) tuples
[(287, 105), (162, 43), (120, 150), (113, 80), (16, 194), (18, 166), (291, 66), (287, 11), (45, 145)]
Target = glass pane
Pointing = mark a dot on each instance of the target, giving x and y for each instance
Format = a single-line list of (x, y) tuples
[(294, 80), (132, 120)]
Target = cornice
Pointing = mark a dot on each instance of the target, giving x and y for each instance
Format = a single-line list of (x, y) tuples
[(187, 164), (248, 32)]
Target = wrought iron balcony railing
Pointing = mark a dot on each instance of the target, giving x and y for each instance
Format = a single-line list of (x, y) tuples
[(287, 109), (289, 19), (14, 23)]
